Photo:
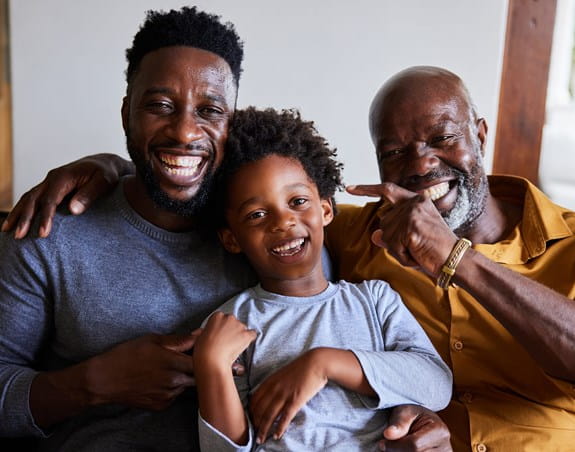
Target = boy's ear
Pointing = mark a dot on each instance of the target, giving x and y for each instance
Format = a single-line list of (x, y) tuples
[(229, 241), (327, 208)]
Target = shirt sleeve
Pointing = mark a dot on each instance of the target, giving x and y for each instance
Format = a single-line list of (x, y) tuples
[(25, 317), (409, 370), (212, 439)]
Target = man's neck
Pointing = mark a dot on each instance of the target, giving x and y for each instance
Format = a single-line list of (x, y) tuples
[(496, 222), (138, 198)]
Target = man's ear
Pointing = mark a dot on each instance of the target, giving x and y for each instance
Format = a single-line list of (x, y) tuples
[(125, 113), (229, 241), (327, 208), (482, 133)]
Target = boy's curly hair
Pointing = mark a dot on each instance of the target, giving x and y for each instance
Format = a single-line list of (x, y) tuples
[(255, 134), (186, 27)]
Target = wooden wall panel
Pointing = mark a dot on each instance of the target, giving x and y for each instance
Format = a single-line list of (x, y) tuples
[(524, 87)]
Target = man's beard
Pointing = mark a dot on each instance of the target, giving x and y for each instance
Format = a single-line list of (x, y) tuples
[(472, 190), (471, 198), (188, 208)]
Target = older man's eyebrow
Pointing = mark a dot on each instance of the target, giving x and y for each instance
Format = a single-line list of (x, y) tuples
[(216, 98)]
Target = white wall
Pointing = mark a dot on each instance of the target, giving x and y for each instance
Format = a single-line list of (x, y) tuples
[(557, 162), (327, 58)]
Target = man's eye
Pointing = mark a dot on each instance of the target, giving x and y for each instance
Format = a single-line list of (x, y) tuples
[(159, 107), (211, 112), (390, 153), (440, 139)]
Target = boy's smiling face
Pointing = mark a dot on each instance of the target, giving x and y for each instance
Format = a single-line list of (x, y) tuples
[(276, 217)]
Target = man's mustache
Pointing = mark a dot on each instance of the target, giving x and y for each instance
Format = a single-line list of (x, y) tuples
[(431, 176)]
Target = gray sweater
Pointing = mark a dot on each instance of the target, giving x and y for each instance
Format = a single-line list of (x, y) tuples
[(100, 279), (369, 319)]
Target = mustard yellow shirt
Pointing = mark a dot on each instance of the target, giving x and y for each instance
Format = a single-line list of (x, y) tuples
[(502, 400)]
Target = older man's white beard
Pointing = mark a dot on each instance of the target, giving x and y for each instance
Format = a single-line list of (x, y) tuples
[(470, 202)]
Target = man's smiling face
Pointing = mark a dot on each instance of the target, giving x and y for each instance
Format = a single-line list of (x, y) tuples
[(428, 141), (176, 117)]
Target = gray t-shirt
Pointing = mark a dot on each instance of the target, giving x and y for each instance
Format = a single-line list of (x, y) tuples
[(369, 319), (100, 279)]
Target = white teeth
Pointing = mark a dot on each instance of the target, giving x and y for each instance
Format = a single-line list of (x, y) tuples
[(289, 248), (186, 164), (437, 191), (182, 171)]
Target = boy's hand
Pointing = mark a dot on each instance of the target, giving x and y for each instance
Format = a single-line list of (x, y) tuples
[(222, 340), (283, 393)]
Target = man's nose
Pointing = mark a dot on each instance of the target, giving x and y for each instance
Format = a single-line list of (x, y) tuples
[(184, 128), (423, 159)]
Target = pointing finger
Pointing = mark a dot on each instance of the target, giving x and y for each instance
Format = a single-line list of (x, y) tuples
[(365, 190), (388, 190)]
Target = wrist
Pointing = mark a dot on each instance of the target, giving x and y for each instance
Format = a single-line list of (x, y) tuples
[(322, 361), (55, 396), (448, 269), (206, 364)]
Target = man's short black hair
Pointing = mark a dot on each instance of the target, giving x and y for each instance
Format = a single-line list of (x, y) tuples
[(255, 134), (186, 27)]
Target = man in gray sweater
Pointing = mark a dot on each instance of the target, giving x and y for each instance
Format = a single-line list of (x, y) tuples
[(97, 320), (107, 304)]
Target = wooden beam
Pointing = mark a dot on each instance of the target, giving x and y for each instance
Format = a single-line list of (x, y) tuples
[(523, 89)]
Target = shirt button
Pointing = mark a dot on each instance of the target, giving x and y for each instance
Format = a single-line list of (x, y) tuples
[(481, 447), (467, 397), (458, 345)]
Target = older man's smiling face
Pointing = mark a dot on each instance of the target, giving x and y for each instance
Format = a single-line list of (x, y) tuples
[(428, 141)]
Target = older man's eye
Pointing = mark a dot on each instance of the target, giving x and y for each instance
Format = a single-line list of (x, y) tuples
[(441, 139), (383, 155)]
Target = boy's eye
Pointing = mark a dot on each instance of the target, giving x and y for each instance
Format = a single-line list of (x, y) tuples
[(255, 215), (299, 201)]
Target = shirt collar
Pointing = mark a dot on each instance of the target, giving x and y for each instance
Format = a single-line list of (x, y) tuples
[(542, 221)]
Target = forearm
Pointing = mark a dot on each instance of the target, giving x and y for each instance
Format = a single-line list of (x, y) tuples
[(539, 318), (342, 367), (56, 396), (219, 401)]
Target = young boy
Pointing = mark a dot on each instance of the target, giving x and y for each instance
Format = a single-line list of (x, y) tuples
[(322, 360)]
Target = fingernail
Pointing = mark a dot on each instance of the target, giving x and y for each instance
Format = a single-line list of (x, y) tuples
[(76, 207)]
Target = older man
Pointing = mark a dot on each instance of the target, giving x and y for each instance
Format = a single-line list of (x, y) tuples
[(500, 311), (78, 365)]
